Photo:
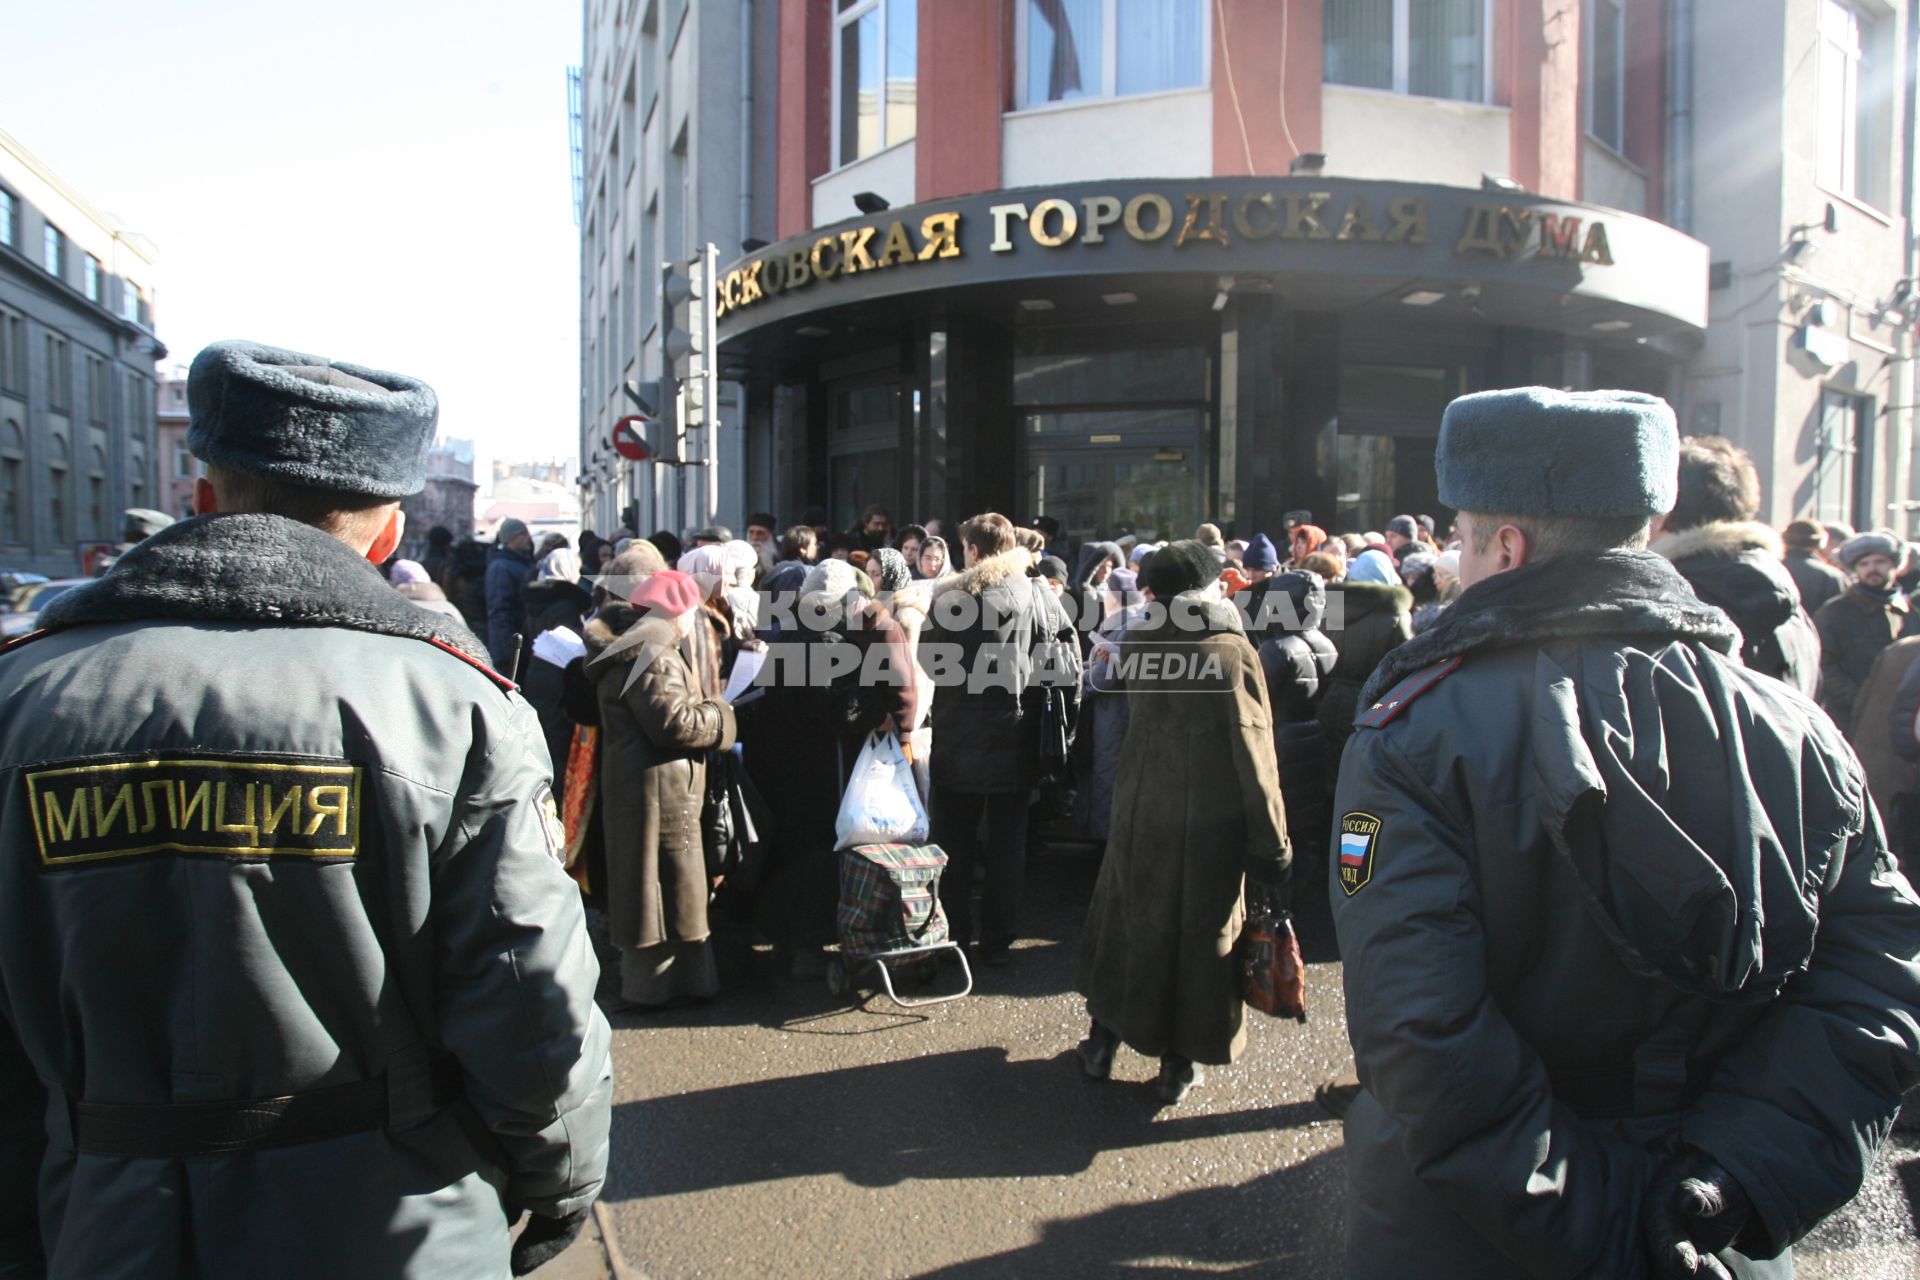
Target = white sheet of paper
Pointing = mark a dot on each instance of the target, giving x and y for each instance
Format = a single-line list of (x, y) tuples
[(746, 665)]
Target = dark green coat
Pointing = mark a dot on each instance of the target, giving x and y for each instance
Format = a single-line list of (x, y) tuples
[(1196, 804), (1606, 891), (339, 852)]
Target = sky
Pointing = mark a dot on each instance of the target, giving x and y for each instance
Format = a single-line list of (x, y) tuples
[(385, 182)]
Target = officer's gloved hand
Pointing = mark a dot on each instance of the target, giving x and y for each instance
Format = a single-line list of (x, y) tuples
[(1693, 1210), (545, 1239)]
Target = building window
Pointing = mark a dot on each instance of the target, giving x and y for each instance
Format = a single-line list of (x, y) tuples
[(1428, 48), (53, 251), (9, 219), (1108, 48), (59, 374), (182, 461), (90, 277), (1855, 105), (1836, 449), (97, 494), (57, 492), (96, 389), (1607, 72), (876, 76), (130, 301), (13, 483), (137, 478), (13, 352)]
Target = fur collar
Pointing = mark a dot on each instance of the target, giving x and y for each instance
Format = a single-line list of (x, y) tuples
[(1629, 595), (619, 634), (989, 572), (255, 569), (1721, 538)]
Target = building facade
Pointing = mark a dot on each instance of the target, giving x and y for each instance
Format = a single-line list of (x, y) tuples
[(674, 148), (1139, 265), (175, 467), (446, 502), (77, 356)]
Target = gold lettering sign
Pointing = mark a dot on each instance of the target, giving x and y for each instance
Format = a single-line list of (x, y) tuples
[(217, 806), (1179, 222)]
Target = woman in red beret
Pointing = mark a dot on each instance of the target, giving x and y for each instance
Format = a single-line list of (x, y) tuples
[(657, 725)]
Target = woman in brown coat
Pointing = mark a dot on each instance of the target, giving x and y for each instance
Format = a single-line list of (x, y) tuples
[(657, 725), (1196, 814)]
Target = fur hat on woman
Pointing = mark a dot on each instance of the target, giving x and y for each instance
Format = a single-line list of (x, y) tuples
[(1186, 565)]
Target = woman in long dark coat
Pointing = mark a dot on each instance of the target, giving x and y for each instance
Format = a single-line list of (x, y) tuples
[(799, 740), (1197, 813), (657, 725)]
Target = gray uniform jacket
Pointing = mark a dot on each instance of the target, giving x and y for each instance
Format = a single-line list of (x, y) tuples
[(1600, 890), (269, 828)]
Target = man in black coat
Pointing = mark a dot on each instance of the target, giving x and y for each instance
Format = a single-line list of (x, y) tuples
[(978, 648), (1861, 621), (508, 570), (1808, 565), (1734, 563), (1630, 973)]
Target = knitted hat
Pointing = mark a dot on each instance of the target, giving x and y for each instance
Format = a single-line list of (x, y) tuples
[(1052, 567), (1539, 452), (1854, 549), (306, 421), (402, 572), (1260, 553), (1186, 565), (1416, 563), (1208, 535), (1805, 535), (667, 594), (1405, 526)]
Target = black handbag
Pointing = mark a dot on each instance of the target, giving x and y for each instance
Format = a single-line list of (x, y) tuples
[(734, 823)]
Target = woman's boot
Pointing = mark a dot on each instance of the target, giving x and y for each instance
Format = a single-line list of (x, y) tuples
[(1178, 1075), (1096, 1051)]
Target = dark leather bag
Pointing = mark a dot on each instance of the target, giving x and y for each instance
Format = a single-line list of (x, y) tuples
[(1273, 977)]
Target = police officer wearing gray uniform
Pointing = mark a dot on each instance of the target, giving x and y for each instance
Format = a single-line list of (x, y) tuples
[(1631, 979), (292, 983)]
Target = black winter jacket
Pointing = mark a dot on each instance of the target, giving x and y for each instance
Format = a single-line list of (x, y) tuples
[(1603, 890), (1854, 627), (976, 646), (1377, 620), (1736, 567), (1296, 663), (1818, 581)]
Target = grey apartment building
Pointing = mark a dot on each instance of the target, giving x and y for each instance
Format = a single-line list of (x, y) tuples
[(674, 136), (77, 357)]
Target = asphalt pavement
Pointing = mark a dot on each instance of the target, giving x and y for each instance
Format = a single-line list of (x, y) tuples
[(783, 1131)]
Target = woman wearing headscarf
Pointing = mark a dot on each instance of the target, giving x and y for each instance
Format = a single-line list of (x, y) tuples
[(934, 561), (907, 602), (1197, 816), (657, 728), (1086, 597), (801, 737), (412, 581)]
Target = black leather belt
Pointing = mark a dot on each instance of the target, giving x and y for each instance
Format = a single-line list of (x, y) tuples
[(413, 1090)]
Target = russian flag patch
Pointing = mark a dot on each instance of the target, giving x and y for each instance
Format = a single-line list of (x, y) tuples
[(1359, 843)]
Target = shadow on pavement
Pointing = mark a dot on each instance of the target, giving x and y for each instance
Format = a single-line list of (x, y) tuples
[(967, 1114), (1287, 1222)]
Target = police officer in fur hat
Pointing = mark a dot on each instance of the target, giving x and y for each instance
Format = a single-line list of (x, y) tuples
[(292, 981), (1630, 975)]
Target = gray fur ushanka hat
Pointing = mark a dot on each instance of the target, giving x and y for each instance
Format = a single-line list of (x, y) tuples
[(1535, 451), (307, 421)]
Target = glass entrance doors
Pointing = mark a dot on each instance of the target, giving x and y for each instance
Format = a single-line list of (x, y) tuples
[(1101, 474)]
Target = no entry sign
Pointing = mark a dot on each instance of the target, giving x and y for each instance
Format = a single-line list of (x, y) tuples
[(629, 437)]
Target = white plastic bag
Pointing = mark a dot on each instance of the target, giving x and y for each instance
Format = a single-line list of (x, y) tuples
[(881, 804)]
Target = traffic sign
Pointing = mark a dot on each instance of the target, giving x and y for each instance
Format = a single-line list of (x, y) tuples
[(630, 439)]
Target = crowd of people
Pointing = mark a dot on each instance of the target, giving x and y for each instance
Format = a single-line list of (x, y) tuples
[(1632, 974)]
